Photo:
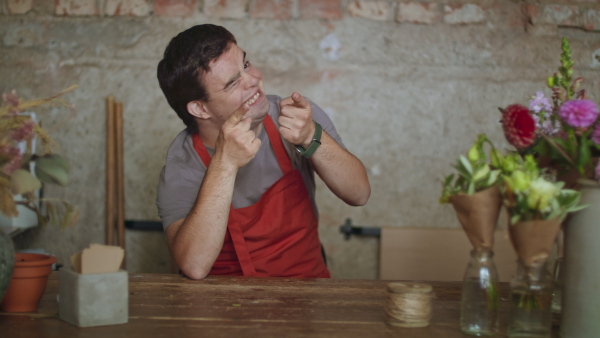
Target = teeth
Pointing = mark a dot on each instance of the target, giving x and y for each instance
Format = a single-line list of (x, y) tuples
[(252, 99)]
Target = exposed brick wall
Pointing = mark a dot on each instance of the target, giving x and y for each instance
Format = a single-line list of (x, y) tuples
[(175, 8), (271, 9), (582, 14)]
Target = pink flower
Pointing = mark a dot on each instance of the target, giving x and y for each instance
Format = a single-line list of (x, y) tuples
[(539, 103), (11, 98), (579, 113), (518, 126), (15, 159), (25, 131)]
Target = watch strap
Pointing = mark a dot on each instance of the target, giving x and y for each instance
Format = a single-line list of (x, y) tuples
[(314, 144)]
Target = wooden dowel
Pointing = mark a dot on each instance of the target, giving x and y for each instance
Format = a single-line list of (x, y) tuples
[(120, 175), (110, 170)]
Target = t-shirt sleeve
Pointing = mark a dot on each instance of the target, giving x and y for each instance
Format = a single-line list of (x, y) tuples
[(178, 187), (323, 119)]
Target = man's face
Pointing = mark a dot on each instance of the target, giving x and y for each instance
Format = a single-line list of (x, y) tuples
[(231, 81)]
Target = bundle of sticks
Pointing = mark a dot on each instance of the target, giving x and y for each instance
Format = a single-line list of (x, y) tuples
[(115, 184)]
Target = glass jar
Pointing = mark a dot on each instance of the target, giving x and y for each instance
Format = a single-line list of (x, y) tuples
[(557, 286), (480, 298), (530, 302)]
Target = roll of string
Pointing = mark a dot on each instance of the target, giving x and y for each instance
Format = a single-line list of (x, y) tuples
[(408, 304)]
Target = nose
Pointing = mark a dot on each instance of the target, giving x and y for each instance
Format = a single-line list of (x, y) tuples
[(251, 79)]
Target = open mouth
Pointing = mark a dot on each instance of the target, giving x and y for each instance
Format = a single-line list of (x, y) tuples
[(253, 99)]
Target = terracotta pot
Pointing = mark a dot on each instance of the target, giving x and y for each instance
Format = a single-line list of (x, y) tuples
[(28, 282)]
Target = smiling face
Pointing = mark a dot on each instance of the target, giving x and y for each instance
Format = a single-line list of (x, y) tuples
[(230, 82)]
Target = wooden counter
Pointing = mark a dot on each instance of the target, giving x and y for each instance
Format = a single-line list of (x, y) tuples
[(174, 306)]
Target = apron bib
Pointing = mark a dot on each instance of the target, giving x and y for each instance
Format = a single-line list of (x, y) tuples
[(276, 236)]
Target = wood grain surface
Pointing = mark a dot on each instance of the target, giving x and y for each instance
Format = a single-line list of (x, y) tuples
[(172, 306)]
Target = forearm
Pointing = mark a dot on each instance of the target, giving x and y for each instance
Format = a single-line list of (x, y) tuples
[(198, 240), (342, 172)]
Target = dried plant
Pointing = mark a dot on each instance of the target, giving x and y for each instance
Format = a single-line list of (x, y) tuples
[(22, 172)]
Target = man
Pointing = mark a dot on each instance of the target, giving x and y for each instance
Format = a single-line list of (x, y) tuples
[(236, 195)]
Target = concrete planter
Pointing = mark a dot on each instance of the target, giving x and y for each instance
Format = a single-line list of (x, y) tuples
[(581, 289), (94, 299)]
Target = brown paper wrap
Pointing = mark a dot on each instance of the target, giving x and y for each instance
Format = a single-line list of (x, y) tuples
[(478, 214), (533, 240)]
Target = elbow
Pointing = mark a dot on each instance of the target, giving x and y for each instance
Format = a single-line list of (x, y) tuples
[(361, 202), (190, 268), (363, 192), (364, 198), (195, 273), (361, 198)]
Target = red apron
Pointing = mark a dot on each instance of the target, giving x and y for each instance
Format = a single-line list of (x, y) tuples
[(277, 236)]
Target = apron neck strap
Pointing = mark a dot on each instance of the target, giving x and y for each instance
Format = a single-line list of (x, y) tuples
[(278, 148), (276, 143)]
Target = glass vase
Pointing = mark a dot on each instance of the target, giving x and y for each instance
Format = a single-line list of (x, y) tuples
[(557, 286), (480, 298), (530, 302)]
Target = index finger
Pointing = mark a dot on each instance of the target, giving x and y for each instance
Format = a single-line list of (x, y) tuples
[(300, 101), (296, 100), (240, 113)]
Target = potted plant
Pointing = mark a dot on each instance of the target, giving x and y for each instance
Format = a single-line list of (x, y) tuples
[(22, 173)]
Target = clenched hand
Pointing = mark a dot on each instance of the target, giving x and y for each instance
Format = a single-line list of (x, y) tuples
[(295, 121), (236, 144)]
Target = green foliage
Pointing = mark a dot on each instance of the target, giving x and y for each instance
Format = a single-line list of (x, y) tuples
[(528, 193), (474, 171)]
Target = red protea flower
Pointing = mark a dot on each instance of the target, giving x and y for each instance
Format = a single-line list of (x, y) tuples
[(518, 126)]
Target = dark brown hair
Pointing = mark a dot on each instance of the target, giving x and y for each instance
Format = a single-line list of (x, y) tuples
[(185, 58)]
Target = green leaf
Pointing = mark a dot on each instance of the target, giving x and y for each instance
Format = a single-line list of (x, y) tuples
[(464, 163), (50, 171), (584, 155), (571, 144), (481, 173), (23, 181), (493, 177), (448, 180), (558, 149)]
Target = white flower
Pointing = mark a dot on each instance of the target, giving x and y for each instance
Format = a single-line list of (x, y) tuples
[(541, 192)]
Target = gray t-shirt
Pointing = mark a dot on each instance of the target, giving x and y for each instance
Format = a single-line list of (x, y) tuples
[(182, 175)]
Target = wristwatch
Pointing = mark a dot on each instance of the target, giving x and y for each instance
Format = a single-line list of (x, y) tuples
[(314, 144)]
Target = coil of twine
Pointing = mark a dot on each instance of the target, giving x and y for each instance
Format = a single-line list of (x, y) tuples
[(408, 304)]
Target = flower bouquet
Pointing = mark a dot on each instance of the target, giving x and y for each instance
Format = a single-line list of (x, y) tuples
[(563, 132), (22, 171), (536, 206), (475, 196)]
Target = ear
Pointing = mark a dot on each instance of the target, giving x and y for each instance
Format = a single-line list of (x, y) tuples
[(197, 109)]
